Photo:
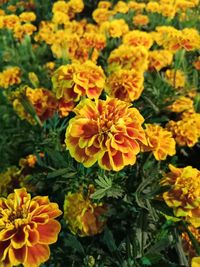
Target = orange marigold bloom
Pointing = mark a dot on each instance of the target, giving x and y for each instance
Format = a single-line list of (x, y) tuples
[(184, 195), (176, 78), (82, 215), (102, 14), (128, 57), (160, 142), (79, 80), (186, 242), (126, 85), (182, 104), (107, 131), (140, 20), (186, 131), (159, 59), (10, 76), (28, 227), (138, 38)]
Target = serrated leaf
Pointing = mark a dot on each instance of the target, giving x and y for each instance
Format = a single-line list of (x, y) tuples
[(98, 194), (57, 173)]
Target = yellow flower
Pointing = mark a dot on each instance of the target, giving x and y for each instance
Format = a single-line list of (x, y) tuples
[(115, 28), (27, 16), (182, 104), (107, 131), (187, 244), (184, 195), (104, 4), (153, 7), (140, 20), (138, 38), (160, 142), (121, 7), (10, 21), (82, 215), (10, 76), (28, 227), (25, 29), (195, 262), (79, 80), (126, 85), (159, 59), (176, 78), (137, 7), (102, 14), (128, 57)]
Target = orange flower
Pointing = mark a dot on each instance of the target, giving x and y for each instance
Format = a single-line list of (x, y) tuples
[(107, 131), (128, 57), (138, 38), (140, 20), (187, 244), (159, 59), (82, 215), (27, 229), (182, 104), (196, 63), (184, 195), (126, 85), (10, 77), (79, 80), (160, 142)]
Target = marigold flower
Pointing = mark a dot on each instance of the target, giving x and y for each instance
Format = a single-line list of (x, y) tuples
[(159, 59), (138, 7), (115, 28), (184, 195), (126, 85), (109, 132), (104, 4), (127, 57), (176, 78), (182, 104), (79, 80), (82, 215), (186, 242), (153, 7), (186, 131), (10, 76), (138, 38), (121, 7), (102, 14), (10, 21), (197, 63), (28, 227), (27, 16), (160, 142), (140, 20)]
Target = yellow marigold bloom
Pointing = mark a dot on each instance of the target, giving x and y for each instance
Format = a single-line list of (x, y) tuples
[(121, 7), (186, 131), (160, 142), (189, 39), (60, 6), (153, 7), (25, 29), (60, 17), (79, 80), (176, 78), (140, 20), (75, 6), (2, 12), (115, 28), (184, 195), (27, 16), (107, 131), (102, 14), (183, 5), (159, 59), (10, 21), (9, 179), (28, 227), (168, 10), (82, 215), (138, 38), (195, 262), (104, 4), (182, 104), (138, 7), (10, 76), (128, 57), (126, 85)]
